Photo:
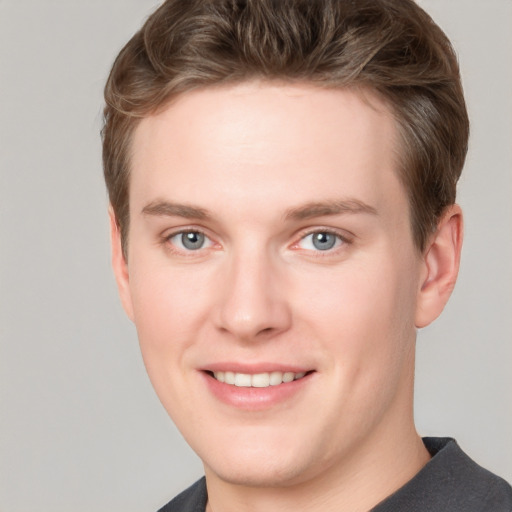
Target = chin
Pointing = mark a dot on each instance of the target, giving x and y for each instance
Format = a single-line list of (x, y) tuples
[(274, 462), (258, 473)]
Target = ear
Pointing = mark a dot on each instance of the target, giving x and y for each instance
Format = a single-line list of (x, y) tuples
[(120, 265), (440, 267)]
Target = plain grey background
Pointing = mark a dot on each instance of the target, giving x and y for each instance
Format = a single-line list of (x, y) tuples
[(80, 427)]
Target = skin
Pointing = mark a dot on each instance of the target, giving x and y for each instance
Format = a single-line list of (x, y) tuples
[(246, 164)]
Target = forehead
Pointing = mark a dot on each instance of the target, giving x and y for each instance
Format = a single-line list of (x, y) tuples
[(259, 143)]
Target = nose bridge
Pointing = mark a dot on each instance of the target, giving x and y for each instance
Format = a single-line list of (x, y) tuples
[(253, 303)]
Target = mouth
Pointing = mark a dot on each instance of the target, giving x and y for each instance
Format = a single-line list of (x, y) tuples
[(256, 380), (256, 390)]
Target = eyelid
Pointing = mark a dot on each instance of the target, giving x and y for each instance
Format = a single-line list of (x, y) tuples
[(168, 235), (345, 237)]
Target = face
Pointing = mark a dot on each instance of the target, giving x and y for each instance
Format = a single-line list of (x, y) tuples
[(272, 277)]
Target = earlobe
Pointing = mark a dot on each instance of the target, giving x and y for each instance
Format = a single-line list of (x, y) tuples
[(440, 267), (119, 265)]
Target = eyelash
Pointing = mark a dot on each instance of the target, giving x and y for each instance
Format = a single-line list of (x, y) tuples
[(342, 240), (167, 240)]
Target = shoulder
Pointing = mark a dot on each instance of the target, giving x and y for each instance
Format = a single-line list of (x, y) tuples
[(192, 499), (451, 481)]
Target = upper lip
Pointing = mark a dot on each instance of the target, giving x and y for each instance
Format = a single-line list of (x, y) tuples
[(255, 368)]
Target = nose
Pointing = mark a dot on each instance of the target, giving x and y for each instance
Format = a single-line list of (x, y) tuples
[(253, 304)]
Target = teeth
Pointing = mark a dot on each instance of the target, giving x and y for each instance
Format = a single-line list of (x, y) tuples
[(260, 380), (242, 380), (288, 376), (257, 380), (276, 378)]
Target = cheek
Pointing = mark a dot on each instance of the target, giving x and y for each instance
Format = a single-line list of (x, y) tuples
[(169, 313), (365, 316), (165, 300)]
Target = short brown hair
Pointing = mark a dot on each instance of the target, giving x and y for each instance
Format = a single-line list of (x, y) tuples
[(391, 47)]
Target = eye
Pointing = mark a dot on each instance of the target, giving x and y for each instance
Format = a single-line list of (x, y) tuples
[(190, 240), (320, 241)]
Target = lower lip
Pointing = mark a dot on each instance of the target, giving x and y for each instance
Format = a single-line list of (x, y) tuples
[(254, 399)]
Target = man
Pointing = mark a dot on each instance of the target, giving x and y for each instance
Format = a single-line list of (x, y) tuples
[(282, 184)]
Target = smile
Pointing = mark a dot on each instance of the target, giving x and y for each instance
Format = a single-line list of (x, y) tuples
[(250, 388), (257, 380)]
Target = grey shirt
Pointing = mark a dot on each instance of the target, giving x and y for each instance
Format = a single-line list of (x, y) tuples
[(449, 482)]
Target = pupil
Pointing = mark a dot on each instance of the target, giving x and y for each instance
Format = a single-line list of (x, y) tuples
[(192, 240), (324, 241)]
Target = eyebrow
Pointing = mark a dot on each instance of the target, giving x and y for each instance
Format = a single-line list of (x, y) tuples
[(335, 207), (166, 208), (307, 211)]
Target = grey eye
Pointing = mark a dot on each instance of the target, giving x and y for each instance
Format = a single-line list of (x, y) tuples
[(186, 241), (192, 240), (323, 241)]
